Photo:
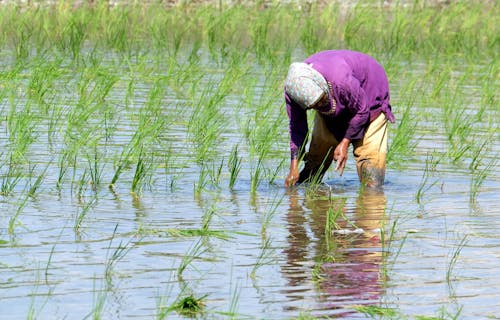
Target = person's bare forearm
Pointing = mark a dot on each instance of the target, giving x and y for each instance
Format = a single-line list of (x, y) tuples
[(293, 175), (340, 155)]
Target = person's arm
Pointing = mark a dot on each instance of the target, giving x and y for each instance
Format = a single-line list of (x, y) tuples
[(293, 175), (298, 133), (340, 155)]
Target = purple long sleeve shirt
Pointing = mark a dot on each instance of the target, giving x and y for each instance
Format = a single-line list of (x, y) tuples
[(359, 87)]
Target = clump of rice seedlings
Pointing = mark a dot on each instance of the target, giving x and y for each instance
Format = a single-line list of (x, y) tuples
[(189, 305)]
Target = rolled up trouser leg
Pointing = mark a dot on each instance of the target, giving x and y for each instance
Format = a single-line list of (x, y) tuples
[(320, 154), (370, 153)]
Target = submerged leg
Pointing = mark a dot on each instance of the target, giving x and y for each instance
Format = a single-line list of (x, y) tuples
[(370, 153), (320, 155)]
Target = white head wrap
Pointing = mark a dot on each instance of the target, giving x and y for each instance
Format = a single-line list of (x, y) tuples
[(304, 84)]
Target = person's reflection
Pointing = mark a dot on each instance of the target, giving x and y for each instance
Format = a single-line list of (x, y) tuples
[(344, 259)]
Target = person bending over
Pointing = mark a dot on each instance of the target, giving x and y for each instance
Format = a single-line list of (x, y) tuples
[(349, 93)]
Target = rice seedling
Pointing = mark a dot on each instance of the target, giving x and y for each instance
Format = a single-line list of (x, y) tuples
[(80, 216), (454, 259), (117, 254), (403, 143), (99, 299), (424, 183), (332, 215), (234, 166), (378, 312), (22, 134), (256, 175), (270, 212), (266, 256), (95, 168), (480, 168), (11, 177), (142, 174), (189, 305), (38, 181), (194, 253), (13, 221)]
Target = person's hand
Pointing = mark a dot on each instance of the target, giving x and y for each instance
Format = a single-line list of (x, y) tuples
[(293, 175), (340, 155)]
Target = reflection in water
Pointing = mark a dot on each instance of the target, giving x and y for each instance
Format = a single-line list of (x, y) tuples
[(344, 261)]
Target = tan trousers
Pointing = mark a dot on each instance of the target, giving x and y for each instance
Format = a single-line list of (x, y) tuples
[(369, 152)]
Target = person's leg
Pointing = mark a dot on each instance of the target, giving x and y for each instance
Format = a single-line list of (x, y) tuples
[(320, 155), (370, 153)]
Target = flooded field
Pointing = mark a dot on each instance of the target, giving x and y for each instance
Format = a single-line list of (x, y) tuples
[(151, 186)]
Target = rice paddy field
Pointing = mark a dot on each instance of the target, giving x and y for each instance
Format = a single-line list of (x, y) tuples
[(144, 147)]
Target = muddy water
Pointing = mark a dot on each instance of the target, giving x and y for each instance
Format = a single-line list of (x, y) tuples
[(267, 256)]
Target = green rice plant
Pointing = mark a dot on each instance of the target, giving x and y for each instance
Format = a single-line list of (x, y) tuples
[(269, 212), (215, 174), (234, 165), (80, 216), (142, 174), (38, 181), (454, 259), (21, 125), (33, 312), (73, 34), (478, 176), (332, 215), (378, 312), (44, 73), (480, 167), (13, 221), (424, 185), (266, 256), (194, 253), (99, 299), (161, 310), (189, 306), (256, 175), (206, 121), (202, 181), (79, 186), (403, 143), (63, 164), (10, 178), (115, 255), (95, 168)]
